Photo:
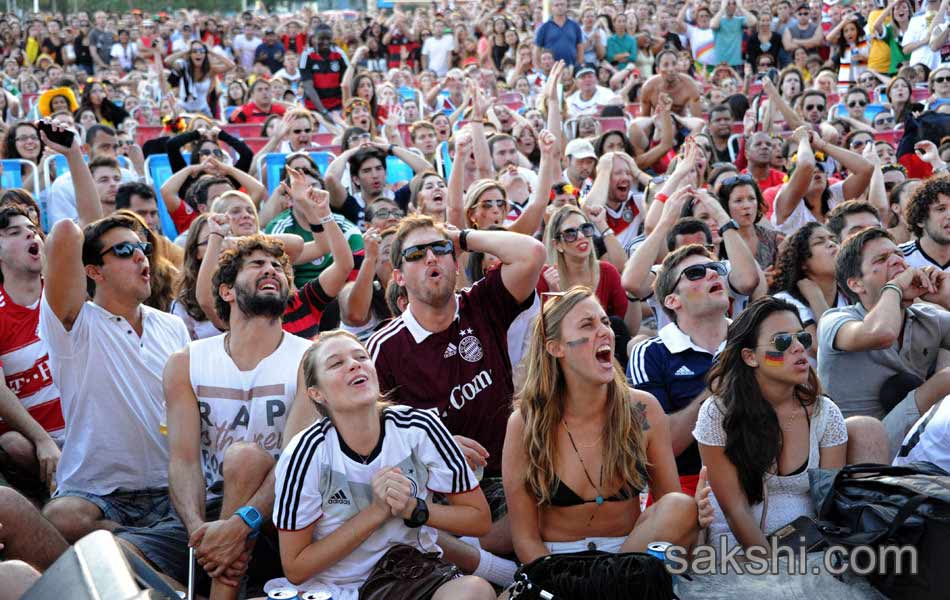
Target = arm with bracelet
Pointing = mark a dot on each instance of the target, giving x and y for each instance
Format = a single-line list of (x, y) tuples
[(882, 325)]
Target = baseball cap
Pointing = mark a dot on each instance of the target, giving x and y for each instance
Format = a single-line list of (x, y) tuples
[(580, 148), (587, 68)]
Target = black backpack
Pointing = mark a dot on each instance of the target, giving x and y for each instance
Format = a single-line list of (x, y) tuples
[(600, 575), (881, 505)]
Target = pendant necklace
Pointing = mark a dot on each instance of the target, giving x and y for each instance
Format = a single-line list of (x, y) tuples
[(600, 496)]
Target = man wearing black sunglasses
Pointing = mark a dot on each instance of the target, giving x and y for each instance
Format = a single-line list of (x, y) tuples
[(448, 351), (108, 355)]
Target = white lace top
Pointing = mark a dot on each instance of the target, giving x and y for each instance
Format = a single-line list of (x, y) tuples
[(788, 495)]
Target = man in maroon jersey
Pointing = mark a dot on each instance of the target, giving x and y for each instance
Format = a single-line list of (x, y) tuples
[(448, 351)]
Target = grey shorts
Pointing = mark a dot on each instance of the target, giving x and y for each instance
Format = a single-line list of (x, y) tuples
[(128, 508), (899, 421), (165, 545)]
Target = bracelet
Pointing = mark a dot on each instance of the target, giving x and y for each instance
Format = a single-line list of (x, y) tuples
[(661, 197), (316, 227), (606, 232), (895, 287), (216, 233), (463, 240), (327, 219), (389, 151)]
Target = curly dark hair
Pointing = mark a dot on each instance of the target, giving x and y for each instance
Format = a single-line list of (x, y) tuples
[(790, 262), (926, 194), (754, 437), (232, 261)]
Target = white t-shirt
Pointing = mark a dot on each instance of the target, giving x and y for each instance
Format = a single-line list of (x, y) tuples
[(110, 382), (929, 439), (124, 55), (318, 481), (702, 43), (576, 106), (62, 196), (439, 50), (245, 47), (915, 256), (801, 215)]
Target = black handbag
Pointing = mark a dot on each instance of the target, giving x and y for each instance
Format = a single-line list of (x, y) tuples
[(882, 505), (600, 575), (405, 573)]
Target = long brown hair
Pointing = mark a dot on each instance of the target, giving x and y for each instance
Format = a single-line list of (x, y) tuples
[(188, 279), (541, 402), (311, 376)]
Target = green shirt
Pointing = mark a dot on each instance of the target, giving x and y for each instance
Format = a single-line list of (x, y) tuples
[(286, 223), (618, 44)]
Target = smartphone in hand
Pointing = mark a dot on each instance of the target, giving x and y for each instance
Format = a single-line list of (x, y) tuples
[(63, 138)]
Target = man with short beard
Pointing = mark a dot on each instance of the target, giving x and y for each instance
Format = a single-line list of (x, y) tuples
[(928, 217), (227, 400)]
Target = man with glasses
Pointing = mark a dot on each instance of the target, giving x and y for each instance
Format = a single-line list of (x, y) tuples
[(856, 101), (260, 107), (884, 121), (107, 356), (892, 347), (460, 366), (802, 33), (692, 289)]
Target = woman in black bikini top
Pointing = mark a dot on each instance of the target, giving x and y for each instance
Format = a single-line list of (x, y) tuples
[(581, 445)]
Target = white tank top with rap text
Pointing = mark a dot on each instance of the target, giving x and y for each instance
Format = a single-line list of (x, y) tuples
[(241, 406)]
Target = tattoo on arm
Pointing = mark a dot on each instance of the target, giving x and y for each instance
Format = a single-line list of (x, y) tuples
[(641, 409)]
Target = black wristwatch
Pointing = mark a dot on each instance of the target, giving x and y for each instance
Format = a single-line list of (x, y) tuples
[(727, 226), (463, 240), (420, 514), (389, 151)]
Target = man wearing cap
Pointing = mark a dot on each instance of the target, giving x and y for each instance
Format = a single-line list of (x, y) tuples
[(562, 36), (589, 96), (581, 160), (271, 51), (181, 40)]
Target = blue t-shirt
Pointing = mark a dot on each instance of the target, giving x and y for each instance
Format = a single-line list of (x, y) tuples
[(562, 41), (728, 40)]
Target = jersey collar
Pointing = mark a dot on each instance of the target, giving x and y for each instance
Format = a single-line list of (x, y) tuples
[(677, 341), (420, 333)]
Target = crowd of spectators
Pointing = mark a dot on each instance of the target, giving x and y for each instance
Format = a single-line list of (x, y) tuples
[(318, 293)]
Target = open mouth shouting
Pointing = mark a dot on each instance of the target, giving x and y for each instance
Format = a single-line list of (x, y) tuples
[(34, 249), (716, 287), (605, 356), (268, 284)]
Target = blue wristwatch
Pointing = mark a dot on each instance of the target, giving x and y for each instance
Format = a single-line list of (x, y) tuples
[(252, 517)]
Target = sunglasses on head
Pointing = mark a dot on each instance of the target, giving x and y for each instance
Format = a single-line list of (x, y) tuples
[(571, 234), (783, 341), (419, 251), (855, 103), (127, 249), (743, 178), (207, 152), (697, 272)]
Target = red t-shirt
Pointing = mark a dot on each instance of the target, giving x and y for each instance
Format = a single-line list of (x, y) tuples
[(609, 292), (252, 113), (774, 179), (463, 372), (183, 216), (25, 360)]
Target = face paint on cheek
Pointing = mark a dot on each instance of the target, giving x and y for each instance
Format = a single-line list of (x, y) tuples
[(774, 359), (578, 342)]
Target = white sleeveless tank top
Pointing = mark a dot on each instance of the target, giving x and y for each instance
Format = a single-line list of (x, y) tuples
[(241, 406)]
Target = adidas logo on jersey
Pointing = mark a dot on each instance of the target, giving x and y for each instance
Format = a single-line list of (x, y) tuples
[(683, 372), (450, 351), (339, 498)]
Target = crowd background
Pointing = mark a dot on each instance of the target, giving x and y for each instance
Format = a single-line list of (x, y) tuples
[(726, 222)]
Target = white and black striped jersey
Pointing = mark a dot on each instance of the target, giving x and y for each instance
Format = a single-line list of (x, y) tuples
[(320, 480), (915, 256)]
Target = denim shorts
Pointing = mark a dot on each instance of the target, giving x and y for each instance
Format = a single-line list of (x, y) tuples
[(128, 508), (165, 545)]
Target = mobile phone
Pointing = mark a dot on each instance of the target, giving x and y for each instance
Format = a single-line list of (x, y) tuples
[(63, 138)]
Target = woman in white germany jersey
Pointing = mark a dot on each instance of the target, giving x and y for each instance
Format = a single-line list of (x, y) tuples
[(358, 482)]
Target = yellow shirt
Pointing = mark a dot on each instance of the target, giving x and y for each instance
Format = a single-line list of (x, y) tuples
[(879, 56)]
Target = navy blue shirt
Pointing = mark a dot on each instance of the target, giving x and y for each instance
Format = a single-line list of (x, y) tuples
[(673, 369), (562, 41)]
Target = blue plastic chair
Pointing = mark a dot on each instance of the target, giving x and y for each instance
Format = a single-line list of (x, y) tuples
[(230, 110), (159, 171), (12, 174), (274, 163), (397, 170)]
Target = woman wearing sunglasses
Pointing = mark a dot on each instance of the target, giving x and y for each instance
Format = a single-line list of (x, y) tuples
[(766, 424), (581, 446), (572, 260), (805, 277), (740, 196)]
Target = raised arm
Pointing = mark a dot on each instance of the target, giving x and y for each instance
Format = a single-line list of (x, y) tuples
[(637, 276), (172, 186), (88, 206), (334, 172), (859, 168), (521, 257), (350, 72), (315, 204), (204, 292), (792, 192), (530, 220), (65, 275), (356, 298), (745, 274), (792, 118), (455, 207)]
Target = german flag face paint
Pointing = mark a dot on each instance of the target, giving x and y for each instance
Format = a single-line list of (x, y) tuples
[(774, 359)]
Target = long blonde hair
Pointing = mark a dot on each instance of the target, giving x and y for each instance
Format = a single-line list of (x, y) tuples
[(557, 258), (541, 402)]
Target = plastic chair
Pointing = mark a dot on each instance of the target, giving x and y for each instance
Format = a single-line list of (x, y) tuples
[(443, 162), (157, 171), (273, 164), (397, 170)]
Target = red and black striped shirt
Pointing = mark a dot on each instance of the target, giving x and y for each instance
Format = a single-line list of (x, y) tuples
[(305, 308), (326, 72)]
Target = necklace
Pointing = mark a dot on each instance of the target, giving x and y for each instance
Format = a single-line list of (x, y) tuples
[(600, 496)]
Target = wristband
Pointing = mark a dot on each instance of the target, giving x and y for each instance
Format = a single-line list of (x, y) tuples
[(389, 151), (895, 287), (463, 240), (661, 198), (606, 232), (326, 219), (216, 233), (316, 227)]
